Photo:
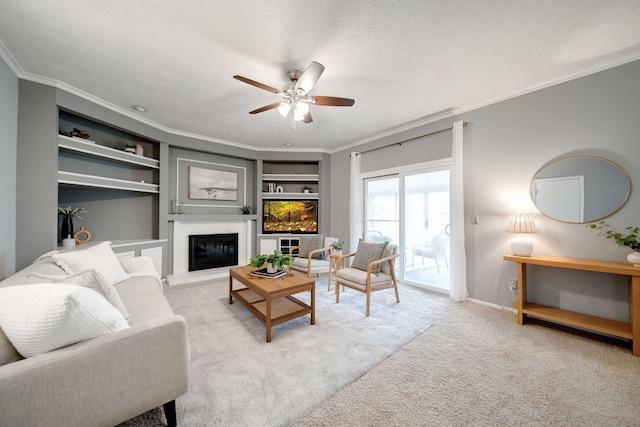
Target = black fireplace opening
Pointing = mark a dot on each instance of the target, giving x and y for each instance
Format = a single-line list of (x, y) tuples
[(212, 251)]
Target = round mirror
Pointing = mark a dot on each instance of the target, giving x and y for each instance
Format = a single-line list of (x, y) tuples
[(580, 189)]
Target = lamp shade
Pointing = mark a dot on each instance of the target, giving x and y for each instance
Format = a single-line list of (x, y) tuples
[(521, 223)]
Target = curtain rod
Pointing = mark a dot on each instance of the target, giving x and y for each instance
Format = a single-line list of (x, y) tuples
[(464, 125)]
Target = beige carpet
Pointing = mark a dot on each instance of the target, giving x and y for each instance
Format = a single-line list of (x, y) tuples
[(238, 379), (476, 366)]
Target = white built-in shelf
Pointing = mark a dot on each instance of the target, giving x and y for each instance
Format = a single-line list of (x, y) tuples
[(297, 196), (81, 146), (84, 180), (213, 217), (294, 177)]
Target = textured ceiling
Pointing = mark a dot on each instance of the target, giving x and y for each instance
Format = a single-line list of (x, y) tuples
[(401, 61)]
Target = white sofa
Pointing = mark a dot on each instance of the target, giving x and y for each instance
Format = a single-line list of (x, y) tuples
[(105, 380)]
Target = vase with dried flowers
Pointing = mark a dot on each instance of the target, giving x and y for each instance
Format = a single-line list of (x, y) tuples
[(66, 226)]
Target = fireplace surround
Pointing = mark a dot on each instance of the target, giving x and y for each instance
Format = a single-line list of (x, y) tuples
[(180, 249)]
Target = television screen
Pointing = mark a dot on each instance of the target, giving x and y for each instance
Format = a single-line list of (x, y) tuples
[(290, 216)]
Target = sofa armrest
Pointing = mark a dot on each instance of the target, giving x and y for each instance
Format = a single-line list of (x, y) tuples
[(103, 381)]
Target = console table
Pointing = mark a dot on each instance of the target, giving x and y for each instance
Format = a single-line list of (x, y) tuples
[(629, 330)]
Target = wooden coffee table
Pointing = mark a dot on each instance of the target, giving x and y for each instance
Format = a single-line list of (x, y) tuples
[(270, 300)]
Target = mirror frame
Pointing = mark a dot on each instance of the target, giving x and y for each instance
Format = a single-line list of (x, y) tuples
[(620, 168)]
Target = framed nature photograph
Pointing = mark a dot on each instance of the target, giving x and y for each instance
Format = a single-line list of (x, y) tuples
[(212, 184)]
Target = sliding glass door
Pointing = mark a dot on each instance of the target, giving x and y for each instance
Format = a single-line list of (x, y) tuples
[(412, 210), (426, 228)]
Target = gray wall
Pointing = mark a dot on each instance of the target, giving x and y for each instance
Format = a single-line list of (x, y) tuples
[(505, 144), (37, 198), (8, 146)]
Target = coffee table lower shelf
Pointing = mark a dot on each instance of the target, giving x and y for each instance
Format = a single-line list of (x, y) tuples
[(282, 309)]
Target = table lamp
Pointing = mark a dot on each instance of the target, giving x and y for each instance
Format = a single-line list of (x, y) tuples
[(521, 224)]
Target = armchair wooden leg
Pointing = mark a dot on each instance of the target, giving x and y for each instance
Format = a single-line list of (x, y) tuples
[(337, 292), (368, 301)]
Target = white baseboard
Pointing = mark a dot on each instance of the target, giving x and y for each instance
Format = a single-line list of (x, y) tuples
[(492, 305)]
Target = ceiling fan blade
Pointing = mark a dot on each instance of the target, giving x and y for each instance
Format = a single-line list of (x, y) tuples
[(307, 118), (265, 108), (333, 101), (257, 84), (310, 76)]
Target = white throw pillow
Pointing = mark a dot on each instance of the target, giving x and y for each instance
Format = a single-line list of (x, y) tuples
[(89, 279), (100, 258), (46, 316)]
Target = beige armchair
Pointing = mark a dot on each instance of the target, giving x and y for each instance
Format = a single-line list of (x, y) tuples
[(369, 280), (311, 264)]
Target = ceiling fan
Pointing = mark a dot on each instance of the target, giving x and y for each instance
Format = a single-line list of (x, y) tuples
[(296, 98)]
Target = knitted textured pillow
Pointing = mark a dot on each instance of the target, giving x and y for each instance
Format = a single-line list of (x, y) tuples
[(46, 316), (89, 279), (366, 253), (311, 243), (100, 258)]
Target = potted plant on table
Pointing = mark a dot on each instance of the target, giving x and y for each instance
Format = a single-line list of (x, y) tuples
[(337, 247), (275, 261), (629, 239)]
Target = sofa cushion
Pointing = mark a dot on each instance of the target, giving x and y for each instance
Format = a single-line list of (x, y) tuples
[(100, 258), (315, 263), (366, 253), (138, 287), (43, 317), (42, 266), (8, 352), (311, 243), (89, 279), (359, 277), (148, 308)]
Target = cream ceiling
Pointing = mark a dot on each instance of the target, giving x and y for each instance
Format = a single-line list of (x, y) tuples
[(402, 61)]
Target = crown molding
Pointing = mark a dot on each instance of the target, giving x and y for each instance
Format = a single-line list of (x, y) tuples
[(431, 118), (15, 67), (606, 65), (11, 62)]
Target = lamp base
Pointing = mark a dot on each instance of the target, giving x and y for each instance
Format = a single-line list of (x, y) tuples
[(521, 246)]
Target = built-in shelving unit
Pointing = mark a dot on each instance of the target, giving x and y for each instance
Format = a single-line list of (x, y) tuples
[(278, 184), (90, 148), (77, 152), (119, 190)]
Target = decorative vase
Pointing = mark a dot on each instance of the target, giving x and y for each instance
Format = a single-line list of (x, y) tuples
[(271, 268), (634, 258), (66, 228), (337, 252)]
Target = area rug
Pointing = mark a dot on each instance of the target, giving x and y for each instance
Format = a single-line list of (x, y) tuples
[(238, 379)]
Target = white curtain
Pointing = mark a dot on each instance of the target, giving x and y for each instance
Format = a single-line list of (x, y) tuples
[(458, 257), (355, 202)]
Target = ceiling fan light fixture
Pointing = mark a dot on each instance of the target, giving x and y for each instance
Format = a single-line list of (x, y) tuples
[(299, 111), (301, 108), (284, 107)]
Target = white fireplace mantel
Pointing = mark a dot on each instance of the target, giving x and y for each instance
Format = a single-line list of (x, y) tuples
[(181, 232)]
